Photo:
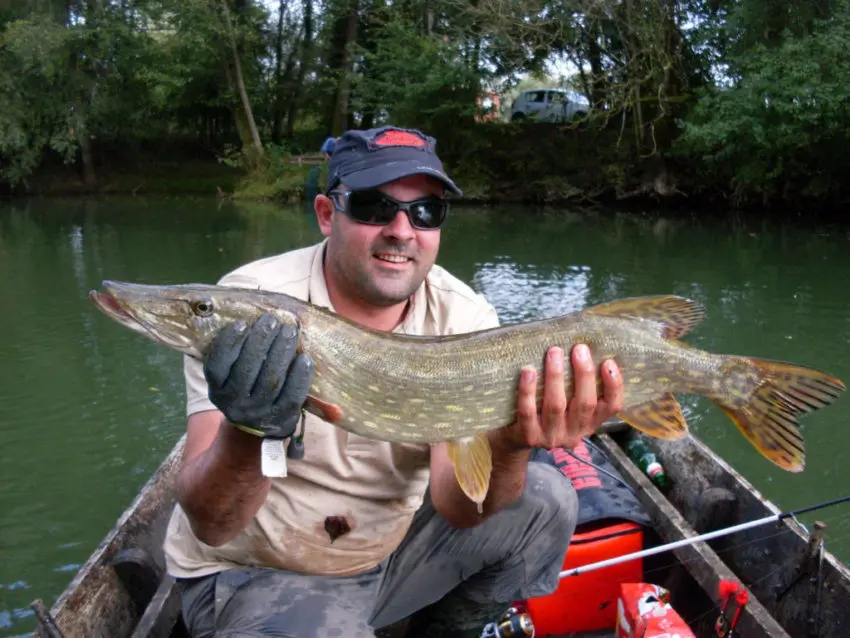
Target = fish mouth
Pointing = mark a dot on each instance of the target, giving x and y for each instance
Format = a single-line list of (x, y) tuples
[(111, 304), (111, 307)]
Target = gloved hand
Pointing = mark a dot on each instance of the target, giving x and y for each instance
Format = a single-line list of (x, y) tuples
[(255, 377)]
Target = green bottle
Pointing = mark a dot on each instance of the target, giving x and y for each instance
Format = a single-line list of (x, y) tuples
[(646, 460)]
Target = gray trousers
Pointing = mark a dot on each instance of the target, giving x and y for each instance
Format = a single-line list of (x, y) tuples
[(471, 574)]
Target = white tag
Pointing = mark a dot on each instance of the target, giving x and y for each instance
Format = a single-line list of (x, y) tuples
[(273, 458)]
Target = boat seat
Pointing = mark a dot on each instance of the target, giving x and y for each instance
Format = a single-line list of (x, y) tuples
[(138, 573), (155, 594), (162, 616)]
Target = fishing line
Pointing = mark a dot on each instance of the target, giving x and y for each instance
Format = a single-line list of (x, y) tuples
[(773, 518), (716, 606), (782, 531), (774, 571), (685, 562), (598, 468), (739, 545)]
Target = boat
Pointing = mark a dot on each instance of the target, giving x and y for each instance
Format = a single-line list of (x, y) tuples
[(796, 587)]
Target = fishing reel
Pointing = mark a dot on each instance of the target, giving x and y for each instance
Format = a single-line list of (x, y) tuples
[(514, 623), (730, 591)]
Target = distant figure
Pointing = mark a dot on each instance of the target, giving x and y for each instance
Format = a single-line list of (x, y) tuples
[(328, 147), (312, 185)]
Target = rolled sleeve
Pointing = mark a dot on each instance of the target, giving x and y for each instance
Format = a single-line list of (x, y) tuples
[(197, 389)]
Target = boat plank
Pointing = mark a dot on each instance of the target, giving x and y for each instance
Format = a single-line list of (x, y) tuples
[(162, 615)]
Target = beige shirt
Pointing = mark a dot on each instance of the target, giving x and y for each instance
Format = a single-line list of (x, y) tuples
[(377, 486)]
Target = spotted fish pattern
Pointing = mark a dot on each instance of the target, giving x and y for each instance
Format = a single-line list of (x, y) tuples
[(455, 388)]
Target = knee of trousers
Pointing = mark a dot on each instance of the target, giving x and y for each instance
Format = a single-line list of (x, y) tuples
[(549, 507), (553, 496)]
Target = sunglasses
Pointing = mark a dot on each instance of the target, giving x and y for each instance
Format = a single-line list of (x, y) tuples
[(377, 209)]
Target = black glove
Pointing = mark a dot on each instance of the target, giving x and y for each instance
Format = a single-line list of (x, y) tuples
[(255, 377)]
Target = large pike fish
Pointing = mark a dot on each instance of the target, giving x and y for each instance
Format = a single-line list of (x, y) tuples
[(455, 388)]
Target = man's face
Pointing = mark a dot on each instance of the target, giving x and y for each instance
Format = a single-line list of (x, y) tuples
[(383, 265)]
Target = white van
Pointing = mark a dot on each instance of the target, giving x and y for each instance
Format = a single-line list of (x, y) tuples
[(548, 105)]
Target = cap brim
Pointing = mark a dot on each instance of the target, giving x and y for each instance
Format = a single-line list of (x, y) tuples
[(379, 175)]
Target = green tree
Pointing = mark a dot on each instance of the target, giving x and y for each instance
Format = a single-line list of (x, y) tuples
[(778, 127)]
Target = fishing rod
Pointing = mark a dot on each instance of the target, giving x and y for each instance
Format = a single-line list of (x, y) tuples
[(699, 538)]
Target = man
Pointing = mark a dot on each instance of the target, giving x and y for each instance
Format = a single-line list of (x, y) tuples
[(328, 147), (362, 533)]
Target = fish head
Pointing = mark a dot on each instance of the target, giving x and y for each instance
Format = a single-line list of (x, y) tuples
[(185, 318)]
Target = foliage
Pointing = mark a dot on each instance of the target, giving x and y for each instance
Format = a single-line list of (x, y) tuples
[(278, 176), (37, 108), (419, 80), (781, 130), (744, 100)]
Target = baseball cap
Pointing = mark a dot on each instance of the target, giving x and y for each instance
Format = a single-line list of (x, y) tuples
[(366, 159)]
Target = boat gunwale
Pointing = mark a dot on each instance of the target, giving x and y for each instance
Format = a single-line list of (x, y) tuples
[(97, 575)]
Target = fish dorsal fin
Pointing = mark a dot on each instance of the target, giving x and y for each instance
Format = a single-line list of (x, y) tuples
[(473, 463), (676, 315), (661, 418)]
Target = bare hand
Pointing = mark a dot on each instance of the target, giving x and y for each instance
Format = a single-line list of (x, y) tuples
[(558, 423)]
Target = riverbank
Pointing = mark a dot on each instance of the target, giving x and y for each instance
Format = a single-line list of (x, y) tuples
[(192, 177), (531, 164)]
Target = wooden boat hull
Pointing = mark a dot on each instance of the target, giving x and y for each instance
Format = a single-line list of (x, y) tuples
[(97, 602), (122, 590), (767, 559)]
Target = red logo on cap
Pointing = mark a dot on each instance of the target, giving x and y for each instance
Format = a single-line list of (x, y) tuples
[(399, 138)]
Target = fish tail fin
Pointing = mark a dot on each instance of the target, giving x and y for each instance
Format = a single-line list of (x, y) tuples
[(766, 400)]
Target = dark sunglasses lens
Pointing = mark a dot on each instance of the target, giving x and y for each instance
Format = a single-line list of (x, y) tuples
[(428, 214), (369, 207)]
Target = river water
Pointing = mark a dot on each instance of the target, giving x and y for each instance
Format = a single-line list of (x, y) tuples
[(88, 409)]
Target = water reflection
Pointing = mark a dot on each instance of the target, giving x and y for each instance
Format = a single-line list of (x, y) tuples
[(525, 293), (89, 409)]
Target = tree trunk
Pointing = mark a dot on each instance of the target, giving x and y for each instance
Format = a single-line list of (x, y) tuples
[(277, 109), (239, 119), (80, 90), (339, 122), (596, 74), (240, 83), (306, 57), (368, 120), (89, 174)]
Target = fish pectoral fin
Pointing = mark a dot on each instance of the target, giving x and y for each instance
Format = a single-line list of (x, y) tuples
[(330, 412), (677, 316), (473, 464), (661, 418)]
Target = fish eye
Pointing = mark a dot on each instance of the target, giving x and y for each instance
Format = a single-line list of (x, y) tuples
[(202, 308)]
